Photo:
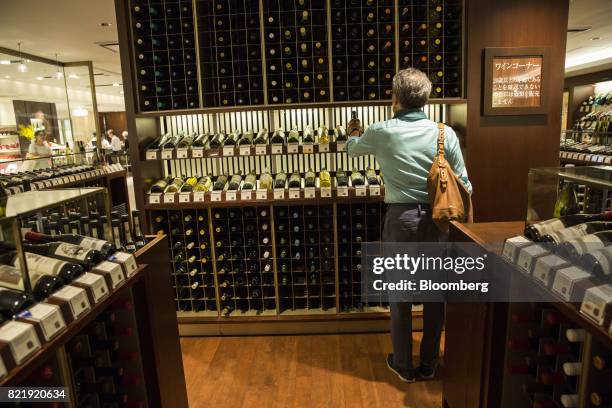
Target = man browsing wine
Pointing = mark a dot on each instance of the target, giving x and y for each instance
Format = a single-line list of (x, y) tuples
[(404, 147)]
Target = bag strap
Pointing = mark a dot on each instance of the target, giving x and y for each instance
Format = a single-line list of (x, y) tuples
[(441, 140)]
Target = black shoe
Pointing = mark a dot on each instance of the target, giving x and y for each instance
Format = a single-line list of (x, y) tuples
[(406, 375), (426, 372)]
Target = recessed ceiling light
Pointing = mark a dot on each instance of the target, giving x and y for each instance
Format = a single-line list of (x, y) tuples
[(120, 92), (595, 38), (105, 24), (73, 76), (7, 77), (5, 62), (39, 78), (22, 68), (115, 84)]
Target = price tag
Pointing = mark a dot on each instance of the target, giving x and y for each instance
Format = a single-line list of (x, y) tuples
[(294, 193), (260, 149), (292, 147), (262, 194), (154, 198), (151, 155), (184, 197), (198, 196), (228, 150), (55, 181), (181, 153), (277, 149), (574, 156), (608, 160), (600, 158), (340, 146), (34, 186), (581, 156), (81, 176), (46, 183), (213, 152), (245, 150), (374, 190), (71, 178), (169, 198), (279, 193), (588, 157), (246, 194), (166, 154), (230, 195), (325, 191), (324, 147), (197, 152), (342, 191), (63, 180), (215, 196), (360, 191), (308, 148), (309, 192)]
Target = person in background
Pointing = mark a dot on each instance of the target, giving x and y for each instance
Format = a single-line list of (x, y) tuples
[(405, 147), (94, 139), (124, 136), (39, 148)]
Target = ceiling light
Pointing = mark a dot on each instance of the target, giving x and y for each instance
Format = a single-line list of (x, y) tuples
[(7, 77), (59, 74), (5, 62), (588, 57), (39, 78), (115, 84), (73, 76), (21, 67), (79, 111), (120, 92), (105, 24), (595, 38)]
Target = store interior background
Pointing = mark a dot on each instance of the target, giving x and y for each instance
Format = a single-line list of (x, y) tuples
[(72, 30)]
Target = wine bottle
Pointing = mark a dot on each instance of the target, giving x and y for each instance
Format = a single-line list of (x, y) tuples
[(175, 185), (217, 140), (106, 248), (201, 141), (265, 180), (341, 178), (160, 141), (139, 238), (160, 185), (536, 231), (324, 178), (203, 184), (310, 179), (232, 138), (246, 138), (116, 232), (339, 133), (576, 231), (249, 181), (354, 126), (280, 180), (129, 244), (357, 178), (220, 182), (294, 136), (371, 177), (577, 247), (186, 141), (278, 137), (262, 137), (235, 182), (12, 302), (322, 134), (308, 136), (295, 181), (567, 203), (601, 399), (10, 277), (172, 141)]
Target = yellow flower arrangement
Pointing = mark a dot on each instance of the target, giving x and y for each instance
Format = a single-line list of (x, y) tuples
[(26, 131)]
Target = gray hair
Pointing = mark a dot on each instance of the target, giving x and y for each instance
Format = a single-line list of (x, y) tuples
[(411, 87)]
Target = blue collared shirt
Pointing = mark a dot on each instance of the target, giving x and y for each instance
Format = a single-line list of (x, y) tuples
[(404, 148)]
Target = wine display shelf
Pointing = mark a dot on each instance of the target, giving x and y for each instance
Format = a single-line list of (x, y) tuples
[(302, 259), (225, 54), (584, 158)]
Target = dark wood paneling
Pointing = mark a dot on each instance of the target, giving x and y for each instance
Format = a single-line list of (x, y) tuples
[(113, 120), (589, 79), (577, 95), (501, 150)]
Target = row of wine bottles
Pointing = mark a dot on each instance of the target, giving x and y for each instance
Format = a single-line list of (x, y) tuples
[(265, 181), (24, 179)]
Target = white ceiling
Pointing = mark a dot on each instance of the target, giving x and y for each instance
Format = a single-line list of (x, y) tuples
[(71, 29)]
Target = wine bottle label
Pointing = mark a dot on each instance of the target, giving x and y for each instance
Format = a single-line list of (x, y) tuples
[(566, 234), (11, 277), (549, 226), (41, 264), (587, 243), (92, 243), (71, 251)]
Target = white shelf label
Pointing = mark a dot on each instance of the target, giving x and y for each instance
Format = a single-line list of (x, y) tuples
[(245, 150), (342, 191), (64, 180), (308, 148), (154, 198), (55, 181), (213, 152), (260, 149), (277, 149), (166, 154), (292, 147), (181, 153), (184, 197), (279, 193), (324, 147), (341, 146), (228, 150), (71, 178), (197, 152), (309, 192), (600, 158), (215, 196), (198, 196), (262, 194), (325, 191), (169, 198), (230, 195), (294, 193), (360, 191), (246, 194), (608, 160), (151, 155), (374, 190)]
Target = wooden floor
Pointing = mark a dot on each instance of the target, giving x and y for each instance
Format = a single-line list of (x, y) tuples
[(346, 370)]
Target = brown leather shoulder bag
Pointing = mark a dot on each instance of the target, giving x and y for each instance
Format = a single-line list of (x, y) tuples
[(449, 198)]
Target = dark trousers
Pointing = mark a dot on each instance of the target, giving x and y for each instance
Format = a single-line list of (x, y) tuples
[(412, 223)]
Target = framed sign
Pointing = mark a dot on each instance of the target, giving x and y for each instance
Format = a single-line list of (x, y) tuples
[(515, 81)]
